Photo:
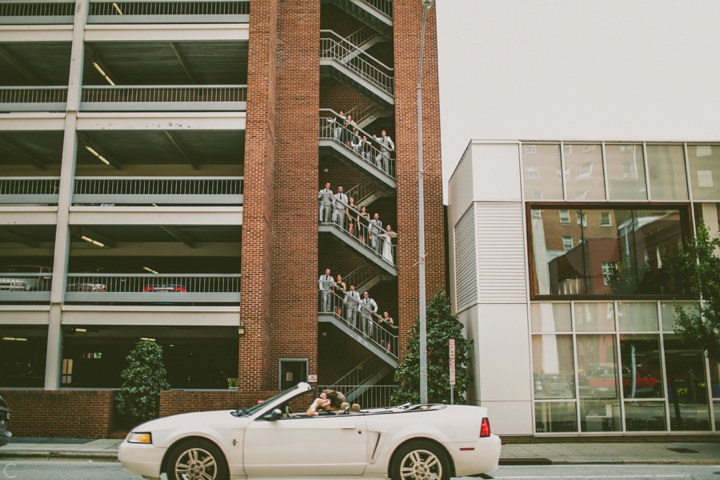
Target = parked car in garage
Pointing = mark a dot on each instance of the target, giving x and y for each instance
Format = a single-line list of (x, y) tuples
[(12, 278), (4, 422), (268, 440)]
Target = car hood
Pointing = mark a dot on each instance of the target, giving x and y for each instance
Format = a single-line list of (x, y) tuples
[(186, 419)]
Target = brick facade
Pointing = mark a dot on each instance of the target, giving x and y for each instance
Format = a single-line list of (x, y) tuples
[(407, 20), (61, 414)]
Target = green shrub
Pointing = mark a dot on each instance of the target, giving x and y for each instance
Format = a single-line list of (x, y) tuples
[(143, 380)]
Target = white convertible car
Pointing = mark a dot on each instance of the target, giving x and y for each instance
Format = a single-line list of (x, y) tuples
[(268, 441)]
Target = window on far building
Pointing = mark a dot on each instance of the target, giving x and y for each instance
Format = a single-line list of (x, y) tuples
[(624, 251), (564, 216), (532, 171)]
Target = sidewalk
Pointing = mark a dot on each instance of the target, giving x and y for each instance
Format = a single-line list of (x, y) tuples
[(678, 453)]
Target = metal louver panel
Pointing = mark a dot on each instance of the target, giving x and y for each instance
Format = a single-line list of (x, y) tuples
[(465, 261), (501, 253)]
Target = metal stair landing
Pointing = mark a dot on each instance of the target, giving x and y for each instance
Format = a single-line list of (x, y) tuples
[(373, 13)]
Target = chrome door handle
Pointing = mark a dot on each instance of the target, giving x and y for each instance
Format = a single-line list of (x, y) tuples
[(348, 427)]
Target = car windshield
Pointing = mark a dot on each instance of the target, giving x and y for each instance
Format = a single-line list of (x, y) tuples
[(255, 408)]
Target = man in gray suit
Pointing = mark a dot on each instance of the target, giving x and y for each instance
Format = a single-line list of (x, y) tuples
[(325, 283), (326, 198), (368, 308), (339, 204), (352, 300), (386, 146), (375, 231)]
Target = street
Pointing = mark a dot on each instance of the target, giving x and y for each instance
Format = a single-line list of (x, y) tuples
[(86, 470)]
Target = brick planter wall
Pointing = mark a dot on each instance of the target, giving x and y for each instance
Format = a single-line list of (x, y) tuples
[(61, 414)]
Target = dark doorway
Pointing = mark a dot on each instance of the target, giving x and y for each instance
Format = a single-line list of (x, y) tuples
[(292, 372)]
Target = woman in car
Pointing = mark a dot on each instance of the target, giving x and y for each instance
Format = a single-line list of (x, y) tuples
[(327, 401)]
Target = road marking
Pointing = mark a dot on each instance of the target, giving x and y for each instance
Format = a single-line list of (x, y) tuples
[(596, 476)]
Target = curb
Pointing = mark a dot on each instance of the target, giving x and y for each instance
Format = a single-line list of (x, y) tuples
[(547, 461), (59, 455)]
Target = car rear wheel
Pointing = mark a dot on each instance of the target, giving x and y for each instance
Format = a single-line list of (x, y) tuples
[(420, 460), (197, 460)]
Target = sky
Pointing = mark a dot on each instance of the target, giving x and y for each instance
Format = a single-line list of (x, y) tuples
[(577, 70)]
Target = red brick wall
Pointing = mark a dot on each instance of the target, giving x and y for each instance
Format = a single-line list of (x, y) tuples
[(61, 414), (254, 371), (174, 402), (407, 26), (295, 256)]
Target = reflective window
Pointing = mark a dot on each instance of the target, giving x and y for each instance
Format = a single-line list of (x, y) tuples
[(637, 317), (687, 386), (604, 252), (555, 417), (558, 253), (667, 311), (645, 417), (585, 179), (553, 366), (598, 383), (626, 172), (641, 366), (550, 317), (666, 164), (541, 172), (705, 171), (594, 317)]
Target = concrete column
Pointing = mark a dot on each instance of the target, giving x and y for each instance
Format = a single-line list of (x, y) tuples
[(53, 361)]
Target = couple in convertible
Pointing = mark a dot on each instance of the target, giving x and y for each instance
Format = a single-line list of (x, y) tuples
[(328, 401)]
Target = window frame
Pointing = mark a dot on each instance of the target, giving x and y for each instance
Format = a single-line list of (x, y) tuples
[(685, 228)]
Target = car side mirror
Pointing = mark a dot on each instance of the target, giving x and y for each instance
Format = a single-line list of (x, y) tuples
[(273, 416)]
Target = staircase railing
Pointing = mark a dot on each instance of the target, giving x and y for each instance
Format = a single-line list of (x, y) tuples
[(358, 375), (374, 239), (361, 275), (331, 128), (382, 6), (366, 323), (371, 70), (361, 191), (359, 37)]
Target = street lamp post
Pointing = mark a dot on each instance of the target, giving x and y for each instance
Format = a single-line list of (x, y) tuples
[(426, 5)]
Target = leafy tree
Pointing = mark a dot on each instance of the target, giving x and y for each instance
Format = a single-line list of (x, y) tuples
[(441, 327), (143, 380), (698, 260)]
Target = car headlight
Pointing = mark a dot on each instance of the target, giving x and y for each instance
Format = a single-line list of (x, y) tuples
[(137, 437)]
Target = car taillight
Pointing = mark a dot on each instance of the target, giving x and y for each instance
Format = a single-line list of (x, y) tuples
[(179, 289), (148, 289), (485, 428)]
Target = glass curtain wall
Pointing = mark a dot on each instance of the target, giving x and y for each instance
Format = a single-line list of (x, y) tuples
[(597, 251), (603, 367)]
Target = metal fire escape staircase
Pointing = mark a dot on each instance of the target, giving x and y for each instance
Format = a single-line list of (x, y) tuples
[(373, 13), (378, 340), (347, 61), (349, 65)]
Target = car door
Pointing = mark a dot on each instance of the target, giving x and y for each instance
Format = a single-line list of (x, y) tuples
[(306, 446)]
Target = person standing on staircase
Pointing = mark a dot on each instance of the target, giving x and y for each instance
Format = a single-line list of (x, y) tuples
[(375, 231), (368, 309), (340, 209), (326, 198), (386, 146), (326, 282), (352, 300)]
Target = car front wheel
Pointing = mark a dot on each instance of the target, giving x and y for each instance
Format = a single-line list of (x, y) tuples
[(420, 460), (197, 460)]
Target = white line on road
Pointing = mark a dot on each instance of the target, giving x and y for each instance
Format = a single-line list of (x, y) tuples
[(595, 476)]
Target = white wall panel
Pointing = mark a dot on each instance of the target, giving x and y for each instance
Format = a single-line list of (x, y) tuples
[(500, 252), (465, 261)]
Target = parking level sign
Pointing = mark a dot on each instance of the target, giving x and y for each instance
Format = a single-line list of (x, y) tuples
[(452, 361)]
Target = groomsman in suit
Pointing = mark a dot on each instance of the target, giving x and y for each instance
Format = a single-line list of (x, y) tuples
[(325, 283), (368, 308), (352, 300), (340, 202), (326, 198), (386, 146), (375, 231)]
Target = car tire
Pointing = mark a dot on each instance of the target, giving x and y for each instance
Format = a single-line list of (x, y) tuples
[(420, 460), (193, 458)]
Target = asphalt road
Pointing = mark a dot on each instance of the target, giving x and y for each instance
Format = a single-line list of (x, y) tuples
[(85, 470)]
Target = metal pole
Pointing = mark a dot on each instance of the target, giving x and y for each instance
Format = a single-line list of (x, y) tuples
[(426, 4)]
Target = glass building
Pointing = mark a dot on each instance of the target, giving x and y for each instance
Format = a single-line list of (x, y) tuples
[(561, 270)]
